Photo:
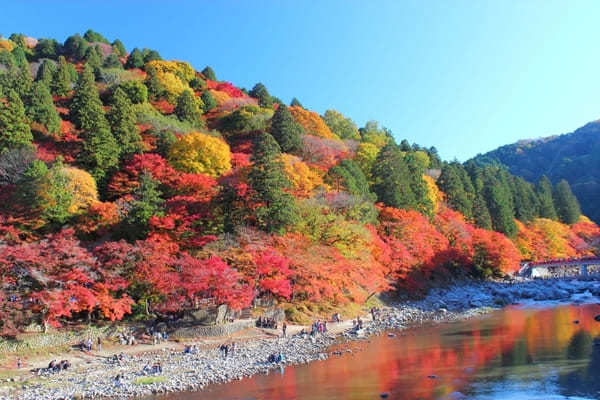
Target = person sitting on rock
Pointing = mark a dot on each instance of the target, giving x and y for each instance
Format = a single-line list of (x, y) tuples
[(146, 370)]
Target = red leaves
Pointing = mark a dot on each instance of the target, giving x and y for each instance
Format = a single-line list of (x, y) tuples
[(226, 87)]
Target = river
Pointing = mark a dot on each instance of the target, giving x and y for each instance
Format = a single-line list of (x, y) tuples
[(521, 352)]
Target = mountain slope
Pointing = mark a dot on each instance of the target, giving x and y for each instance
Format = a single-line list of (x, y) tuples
[(573, 156)]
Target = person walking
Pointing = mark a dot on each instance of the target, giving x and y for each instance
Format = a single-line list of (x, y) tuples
[(284, 328)]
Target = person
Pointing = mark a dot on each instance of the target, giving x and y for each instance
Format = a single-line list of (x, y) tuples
[(52, 365), (99, 343), (226, 349), (232, 348), (146, 370), (19, 363), (284, 328), (89, 344)]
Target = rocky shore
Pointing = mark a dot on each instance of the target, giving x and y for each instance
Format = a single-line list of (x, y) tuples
[(190, 372)]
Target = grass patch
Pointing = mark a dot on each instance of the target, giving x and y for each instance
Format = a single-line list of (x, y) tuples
[(149, 380)]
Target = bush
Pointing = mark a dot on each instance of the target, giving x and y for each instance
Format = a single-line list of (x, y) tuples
[(135, 90), (146, 114)]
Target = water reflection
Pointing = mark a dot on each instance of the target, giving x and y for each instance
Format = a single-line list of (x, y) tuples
[(516, 353)]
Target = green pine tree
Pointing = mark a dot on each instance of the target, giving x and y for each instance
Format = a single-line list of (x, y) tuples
[(41, 108), (29, 183), (187, 109), (296, 103), (119, 48), (451, 184), (45, 72), (208, 100), (14, 125), (566, 204), (348, 176), (61, 84), (525, 200), (209, 73), (57, 197), (148, 202), (101, 152), (123, 123), (75, 47), (268, 179), (391, 179), (260, 92), (135, 59), (286, 131), (545, 201), (499, 205)]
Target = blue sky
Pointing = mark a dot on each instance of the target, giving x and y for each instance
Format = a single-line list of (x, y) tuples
[(464, 76)]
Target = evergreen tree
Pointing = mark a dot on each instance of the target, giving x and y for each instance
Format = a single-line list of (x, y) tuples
[(119, 48), (27, 188), (499, 206), (296, 103), (41, 108), (481, 214), (93, 58), (150, 55), (347, 175), (92, 36), (14, 126), (75, 47), (545, 202), (101, 152), (417, 183), (268, 179), (20, 57), (155, 89), (209, 73), (260, 92), (45, 72), (123, 123), (565, 203), (187, 109), (112, 61), (148, 202), (135, 59), (47, 48), (55, 195), (286, 130), (208, 100), (451, 184), (525, 200), (391, 180), (61, 85)]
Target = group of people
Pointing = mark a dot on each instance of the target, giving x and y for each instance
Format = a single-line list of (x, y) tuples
[(336, 317), (154, 369), (86, 345), (227, 349), (117, 358), (275, 358), (318, 327), (375, 313), (264, 322), (55, 366), (158, 337), (127, 339), (191, 349), (357, 323)]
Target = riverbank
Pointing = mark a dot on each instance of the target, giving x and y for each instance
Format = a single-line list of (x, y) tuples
[(94, 376)]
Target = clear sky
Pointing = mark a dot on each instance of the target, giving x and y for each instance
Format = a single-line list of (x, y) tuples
[(465, 76)]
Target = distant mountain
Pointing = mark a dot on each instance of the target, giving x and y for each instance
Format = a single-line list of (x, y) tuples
[(573, 156)]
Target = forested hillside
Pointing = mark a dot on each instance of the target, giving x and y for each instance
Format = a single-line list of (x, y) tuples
[(574, 157), (133, 187)]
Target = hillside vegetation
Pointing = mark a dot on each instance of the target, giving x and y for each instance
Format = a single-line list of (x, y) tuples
[(574, 157), (135, 187)]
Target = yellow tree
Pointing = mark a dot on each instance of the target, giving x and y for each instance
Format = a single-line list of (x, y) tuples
[(82, 187), (303, 178), (200, 153)]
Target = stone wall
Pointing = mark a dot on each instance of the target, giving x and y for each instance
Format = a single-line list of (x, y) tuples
[(28, 342), (212, 330)]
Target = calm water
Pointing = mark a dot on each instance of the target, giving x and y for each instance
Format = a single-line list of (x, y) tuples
[(517, 353)]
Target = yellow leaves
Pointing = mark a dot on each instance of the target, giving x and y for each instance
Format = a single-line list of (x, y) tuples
[(433, 193), (180, 69), (312, 123), (304, 179), (366, 153), (200, 153), (6, 45), (173, 75), (82, 186)]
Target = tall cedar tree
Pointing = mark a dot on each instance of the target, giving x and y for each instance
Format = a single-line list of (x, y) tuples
[(187, 109), (499, 205), (391, 179), (208, 100), (101, 152), (565, 203), (451, 184), (286, 130), (148, 202), (122, 121), (296, 103), (267, 177), (41, 107), (14, 126), (209, 73), (119, 48), (545, 201), (347, 175), (46, 72), (419, 187), (260, 92), (525, 200), (55, 194), (75, 47), (61, 84), (135, 59)]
